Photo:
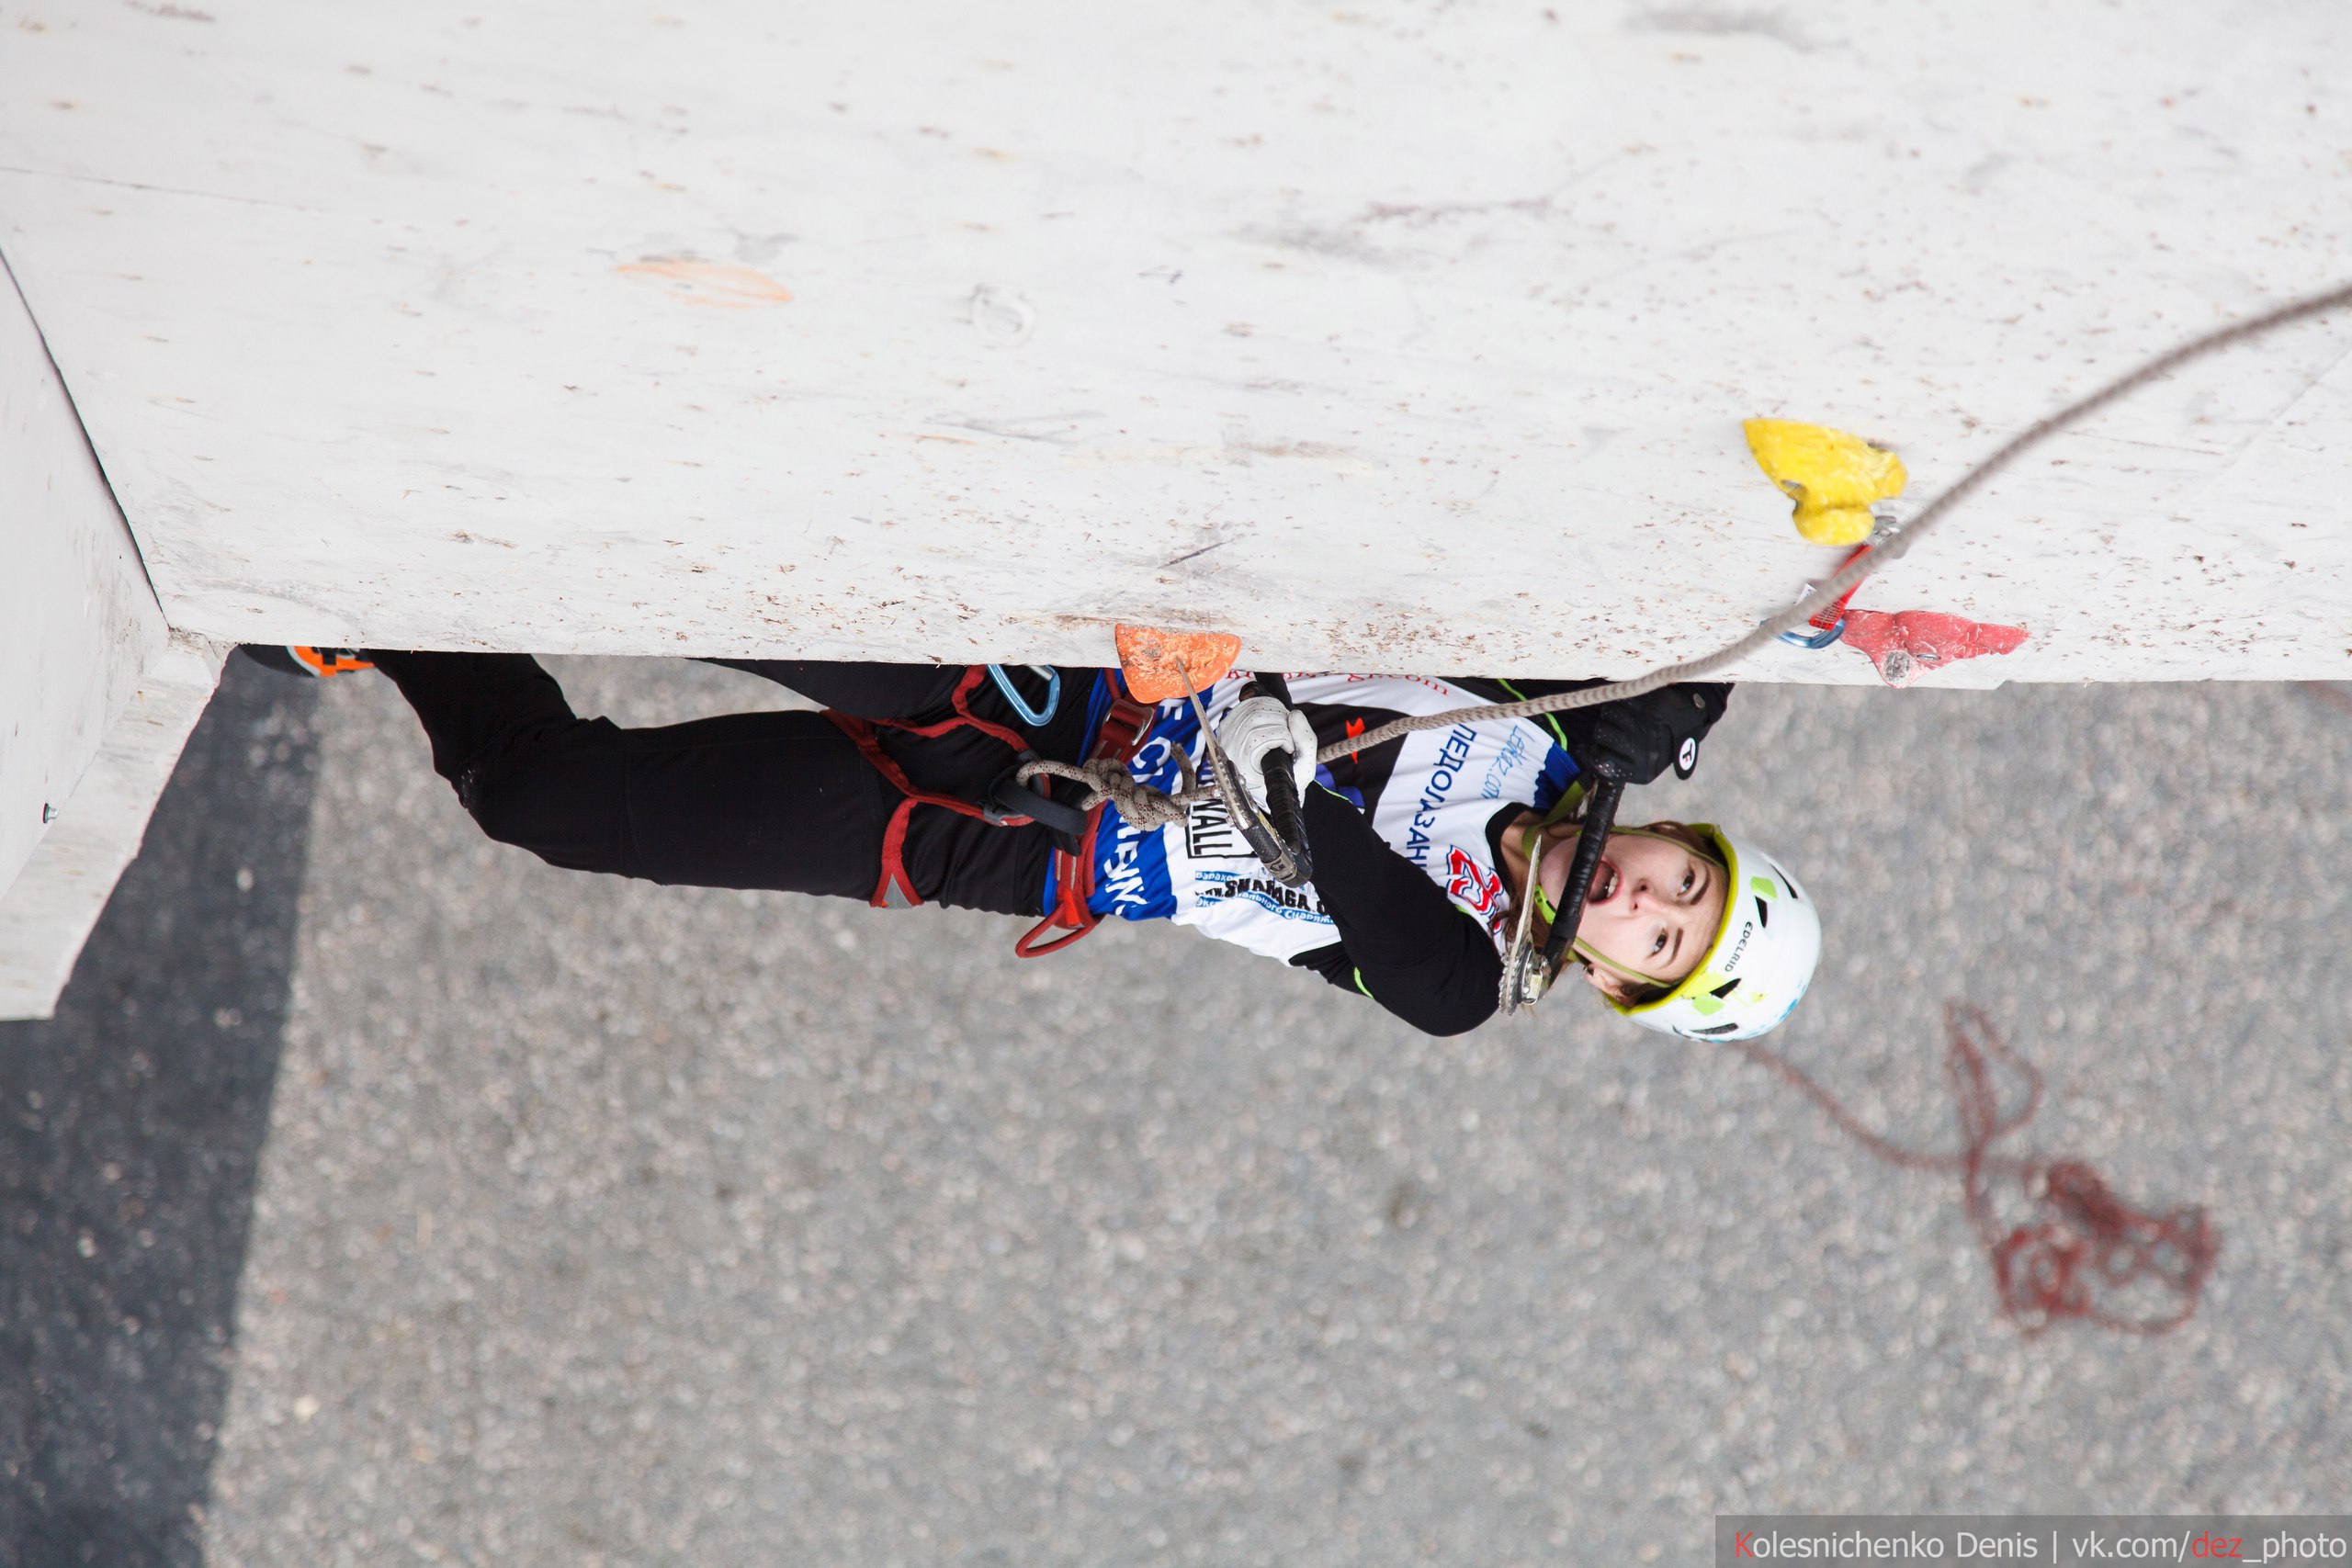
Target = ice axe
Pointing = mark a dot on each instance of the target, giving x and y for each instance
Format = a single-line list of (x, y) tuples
[(1529, 971), (1282, 805), (1160, 666)]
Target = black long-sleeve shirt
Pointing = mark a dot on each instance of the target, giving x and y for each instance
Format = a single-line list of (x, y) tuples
[(1402, 943)]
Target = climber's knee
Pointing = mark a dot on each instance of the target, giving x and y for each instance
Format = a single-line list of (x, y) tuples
[(561, 796)]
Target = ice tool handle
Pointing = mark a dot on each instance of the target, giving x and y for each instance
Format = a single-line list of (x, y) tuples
[(1284, 813), (1256, 831), (1600, 816)]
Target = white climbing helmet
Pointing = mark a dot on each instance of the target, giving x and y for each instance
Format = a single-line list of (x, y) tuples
[(1759, 963)]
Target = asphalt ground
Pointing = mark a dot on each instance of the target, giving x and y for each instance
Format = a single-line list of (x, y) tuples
[(130, 1135), (599, 1222)]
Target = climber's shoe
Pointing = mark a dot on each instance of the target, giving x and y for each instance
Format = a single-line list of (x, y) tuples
[(314, 663)]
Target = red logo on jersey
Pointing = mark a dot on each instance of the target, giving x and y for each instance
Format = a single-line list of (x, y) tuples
[(1471, 887)]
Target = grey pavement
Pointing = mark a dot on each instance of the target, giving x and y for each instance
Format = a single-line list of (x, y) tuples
[(130, 1135), (607, 1224)]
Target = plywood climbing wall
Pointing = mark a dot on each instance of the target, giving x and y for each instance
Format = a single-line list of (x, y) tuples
[(1400, 337)]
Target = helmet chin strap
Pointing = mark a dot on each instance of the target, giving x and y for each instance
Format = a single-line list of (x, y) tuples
[(1586, 951)]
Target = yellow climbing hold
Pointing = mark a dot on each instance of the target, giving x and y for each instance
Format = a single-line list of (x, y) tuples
[(1833, 477)]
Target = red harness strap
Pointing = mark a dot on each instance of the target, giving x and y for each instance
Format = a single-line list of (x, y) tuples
[(897, 889), (1120, 737)]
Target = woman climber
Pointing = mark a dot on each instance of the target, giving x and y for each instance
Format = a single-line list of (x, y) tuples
[(898, 794)]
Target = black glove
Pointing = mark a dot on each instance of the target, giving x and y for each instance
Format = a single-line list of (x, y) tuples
[(1636, 739)]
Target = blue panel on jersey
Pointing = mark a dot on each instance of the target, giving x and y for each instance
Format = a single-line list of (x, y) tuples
[(1131, 866), (1130, 872), (1559, 772)]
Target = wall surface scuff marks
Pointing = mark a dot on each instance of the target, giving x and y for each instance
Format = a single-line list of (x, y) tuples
[(1387, 341)]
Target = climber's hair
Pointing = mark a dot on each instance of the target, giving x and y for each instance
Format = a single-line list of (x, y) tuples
[(1624, 992)]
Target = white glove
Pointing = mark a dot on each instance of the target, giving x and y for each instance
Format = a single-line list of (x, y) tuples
[(1256, 730)]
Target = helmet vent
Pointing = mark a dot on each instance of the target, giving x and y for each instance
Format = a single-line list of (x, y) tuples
[(1763, 913), (1723, 990), (1717, 1028)]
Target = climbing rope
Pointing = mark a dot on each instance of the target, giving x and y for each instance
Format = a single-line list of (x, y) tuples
[(1893, 549), (1109, 783), (2077, 1250)]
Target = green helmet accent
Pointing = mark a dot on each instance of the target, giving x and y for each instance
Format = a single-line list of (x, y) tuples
[(1759, 966)]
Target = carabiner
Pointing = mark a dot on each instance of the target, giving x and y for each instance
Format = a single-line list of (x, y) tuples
[(1823, 636), (1028, 715), (1818, 639)]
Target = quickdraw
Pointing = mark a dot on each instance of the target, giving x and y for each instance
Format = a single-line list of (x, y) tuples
[(1829, 620)]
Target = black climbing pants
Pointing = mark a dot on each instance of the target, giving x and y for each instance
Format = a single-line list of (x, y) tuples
[(772, 800)]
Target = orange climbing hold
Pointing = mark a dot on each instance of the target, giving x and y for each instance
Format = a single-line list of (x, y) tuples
[(1157, 662)]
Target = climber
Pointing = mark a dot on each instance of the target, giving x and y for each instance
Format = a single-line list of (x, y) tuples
[(1421, 848)]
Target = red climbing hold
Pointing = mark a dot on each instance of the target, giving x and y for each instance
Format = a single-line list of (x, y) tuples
[(1909, 643)]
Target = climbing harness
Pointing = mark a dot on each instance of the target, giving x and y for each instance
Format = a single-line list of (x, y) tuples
[(1029, 715), (1117, 740), (896, 890), (1157, 665), (1105, 776), (1008, 803)]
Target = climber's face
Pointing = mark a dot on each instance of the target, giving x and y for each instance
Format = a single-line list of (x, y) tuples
[(1653, 908)]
